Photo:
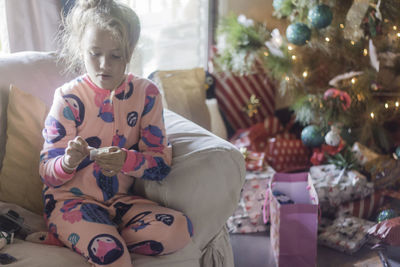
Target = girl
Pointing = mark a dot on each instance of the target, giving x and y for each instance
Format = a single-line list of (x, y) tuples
[(89, 205)]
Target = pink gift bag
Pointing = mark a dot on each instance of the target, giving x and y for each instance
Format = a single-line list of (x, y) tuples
[(291, 203)]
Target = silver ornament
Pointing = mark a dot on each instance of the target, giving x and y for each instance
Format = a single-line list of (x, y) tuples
[(332, 138)]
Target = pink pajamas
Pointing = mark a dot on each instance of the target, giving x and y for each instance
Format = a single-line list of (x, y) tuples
[(99, 216)]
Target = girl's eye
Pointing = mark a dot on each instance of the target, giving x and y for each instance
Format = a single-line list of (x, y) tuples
[(94, 54), (116, 56)]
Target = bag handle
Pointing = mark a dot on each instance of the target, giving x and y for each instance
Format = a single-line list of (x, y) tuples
[(319, 206)]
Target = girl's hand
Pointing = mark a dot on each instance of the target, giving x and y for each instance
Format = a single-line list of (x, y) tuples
[(110, 159), (76, 151)]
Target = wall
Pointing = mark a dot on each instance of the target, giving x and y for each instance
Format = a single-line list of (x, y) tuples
[(258, 10)]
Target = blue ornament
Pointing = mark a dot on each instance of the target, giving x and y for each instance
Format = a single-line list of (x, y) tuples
[(298, 33), (320, 16), (312, 136), (386, 215)]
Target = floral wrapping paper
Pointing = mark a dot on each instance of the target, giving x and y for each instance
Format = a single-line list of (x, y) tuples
[(346, 234), (275, 226), (247, 218), (335, 186), (254, 161)]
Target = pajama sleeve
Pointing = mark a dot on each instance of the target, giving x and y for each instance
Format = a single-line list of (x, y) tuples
[(58, 130), (152, 160)]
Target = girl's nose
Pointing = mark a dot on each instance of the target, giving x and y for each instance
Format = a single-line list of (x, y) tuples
[(104, 62)]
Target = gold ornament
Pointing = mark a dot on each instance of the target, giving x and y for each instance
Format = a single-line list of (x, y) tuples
[(252, 106)]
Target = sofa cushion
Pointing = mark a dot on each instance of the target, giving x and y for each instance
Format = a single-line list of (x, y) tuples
[(19, 178), (36, 73)]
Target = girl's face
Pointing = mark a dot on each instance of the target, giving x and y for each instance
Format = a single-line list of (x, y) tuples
[(103, 58)]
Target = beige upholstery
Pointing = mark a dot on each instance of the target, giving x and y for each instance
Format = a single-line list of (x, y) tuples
[(205, 182)]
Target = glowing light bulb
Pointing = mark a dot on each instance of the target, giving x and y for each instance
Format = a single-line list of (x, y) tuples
[(396, 104), (305, 74), (353, 80), (372, 115), (395, 27), (341, 25), (365, 52), (386, 105), (290, 48), (294, 57), (398, 34), (327, 39), (287, 78), (352, 42)]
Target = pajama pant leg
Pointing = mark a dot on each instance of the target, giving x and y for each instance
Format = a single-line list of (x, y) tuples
[(85, 227), (151, 229)]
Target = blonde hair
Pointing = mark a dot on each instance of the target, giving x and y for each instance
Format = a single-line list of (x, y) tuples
[(119, 19)]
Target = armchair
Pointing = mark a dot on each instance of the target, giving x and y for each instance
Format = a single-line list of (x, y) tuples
[(205, 181)]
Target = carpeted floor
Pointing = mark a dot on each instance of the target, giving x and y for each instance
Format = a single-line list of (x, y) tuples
[(253, 250)]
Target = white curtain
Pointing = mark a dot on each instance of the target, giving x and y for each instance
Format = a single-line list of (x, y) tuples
[(174, 32), (29, 24), (174, 35)]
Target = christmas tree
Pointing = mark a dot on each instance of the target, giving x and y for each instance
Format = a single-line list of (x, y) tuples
[(338, 60)]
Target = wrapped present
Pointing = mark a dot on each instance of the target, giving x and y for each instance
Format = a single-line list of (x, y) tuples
[(241, 139), (384, 171), (247, 217), (387, 231), (336, 186), (363, 154), (234, 93), (256, 137), (346, 234), (254, 160), (365, 207), (287, 155)]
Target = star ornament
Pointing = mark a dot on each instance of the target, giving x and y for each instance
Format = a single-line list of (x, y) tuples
[(252, 106)]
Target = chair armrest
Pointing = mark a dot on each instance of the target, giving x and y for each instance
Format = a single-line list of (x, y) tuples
[(205, 181)]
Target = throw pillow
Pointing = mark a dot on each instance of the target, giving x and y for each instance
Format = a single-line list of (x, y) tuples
[(20, 182), (184, 93)]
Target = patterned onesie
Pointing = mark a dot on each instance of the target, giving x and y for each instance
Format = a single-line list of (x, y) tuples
[(99, 216)]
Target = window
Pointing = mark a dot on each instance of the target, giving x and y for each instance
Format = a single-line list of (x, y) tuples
[(174, 35), (3, 29)]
